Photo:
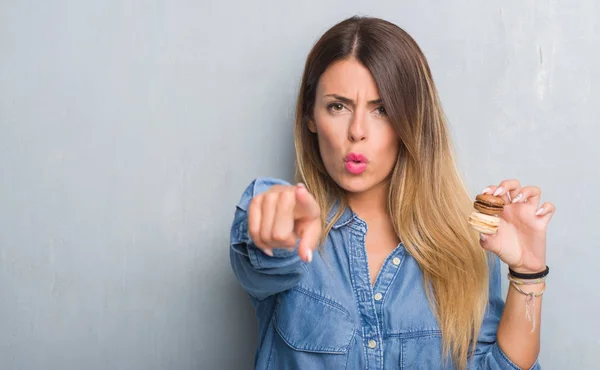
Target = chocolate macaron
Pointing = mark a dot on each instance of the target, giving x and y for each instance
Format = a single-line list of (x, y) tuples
[(489, 204), (484, 218)]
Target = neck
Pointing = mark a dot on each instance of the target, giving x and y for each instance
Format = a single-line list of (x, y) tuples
[(371, 204)]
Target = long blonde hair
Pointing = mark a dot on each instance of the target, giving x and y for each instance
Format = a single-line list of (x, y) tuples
[(428, 201)]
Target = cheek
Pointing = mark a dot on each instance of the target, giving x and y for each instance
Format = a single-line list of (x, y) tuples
[(327, 144), (331, 139), (390, 149)]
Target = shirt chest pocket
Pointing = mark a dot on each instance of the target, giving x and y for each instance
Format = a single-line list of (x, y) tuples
[(423, 350), (312, 332)]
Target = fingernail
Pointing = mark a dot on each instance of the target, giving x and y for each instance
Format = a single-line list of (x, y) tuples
[(517, 198), (498, 191), (486, 190), (268, 252), (483, 237), (539, 211), (309, 256)]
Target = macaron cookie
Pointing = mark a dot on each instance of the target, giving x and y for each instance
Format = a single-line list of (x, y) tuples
[(489, 204), (483, 223), (485, 218)]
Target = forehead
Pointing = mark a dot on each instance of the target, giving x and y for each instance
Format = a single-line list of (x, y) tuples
[(349, 78)]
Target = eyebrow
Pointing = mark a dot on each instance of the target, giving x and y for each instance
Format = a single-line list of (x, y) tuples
[(350, 101)]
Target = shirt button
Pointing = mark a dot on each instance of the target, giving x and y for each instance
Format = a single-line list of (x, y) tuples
[(396, 261), (378, 296), (372, 344)]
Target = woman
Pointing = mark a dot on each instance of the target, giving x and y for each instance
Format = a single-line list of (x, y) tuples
[(400, 280)]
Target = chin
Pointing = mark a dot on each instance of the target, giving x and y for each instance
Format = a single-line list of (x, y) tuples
[(355, 183)]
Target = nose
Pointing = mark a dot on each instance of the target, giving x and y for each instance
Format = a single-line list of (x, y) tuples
[(357, 130)]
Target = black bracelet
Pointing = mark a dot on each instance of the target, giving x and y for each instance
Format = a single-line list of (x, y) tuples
[(537, 275)]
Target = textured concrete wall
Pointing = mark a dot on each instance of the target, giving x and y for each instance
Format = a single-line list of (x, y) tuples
[(128, 131)]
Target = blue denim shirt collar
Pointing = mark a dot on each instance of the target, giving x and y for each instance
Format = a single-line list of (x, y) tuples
[(346, 217)]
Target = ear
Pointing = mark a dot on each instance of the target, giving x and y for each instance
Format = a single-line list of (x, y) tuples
[(312, 126)]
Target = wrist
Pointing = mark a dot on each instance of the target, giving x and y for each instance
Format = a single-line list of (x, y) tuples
[(528, 270), (529, 288)]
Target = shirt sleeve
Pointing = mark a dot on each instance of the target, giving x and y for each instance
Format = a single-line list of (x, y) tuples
[(259, 274), (488, 355)]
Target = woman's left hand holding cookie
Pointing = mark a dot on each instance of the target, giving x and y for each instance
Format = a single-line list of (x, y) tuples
[(520, 241)]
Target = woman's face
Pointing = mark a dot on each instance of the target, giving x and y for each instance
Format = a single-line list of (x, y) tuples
[(357, 142)]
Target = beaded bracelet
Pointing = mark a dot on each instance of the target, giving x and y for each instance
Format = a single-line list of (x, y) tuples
[(525, 282)]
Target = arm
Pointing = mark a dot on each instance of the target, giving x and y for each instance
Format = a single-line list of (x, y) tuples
[(515, 335), (504, 323), (520, 242), (265, 270)]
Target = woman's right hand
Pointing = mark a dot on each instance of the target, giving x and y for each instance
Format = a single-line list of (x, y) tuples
[(281, 216)]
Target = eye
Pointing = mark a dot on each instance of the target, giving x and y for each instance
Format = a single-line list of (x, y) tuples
[(337, 107), (381, 110)]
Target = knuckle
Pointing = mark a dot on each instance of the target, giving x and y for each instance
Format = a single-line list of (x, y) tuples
[(271, 197), (511, 183), (276, 189), (288, 196), (279, 236), (253, 204), (253, 230), (265, 237)]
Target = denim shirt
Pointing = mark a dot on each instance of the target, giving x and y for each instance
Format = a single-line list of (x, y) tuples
[(327, 315)]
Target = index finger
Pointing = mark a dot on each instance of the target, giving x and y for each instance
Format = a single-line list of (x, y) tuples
[(506, 186), (306, 206)]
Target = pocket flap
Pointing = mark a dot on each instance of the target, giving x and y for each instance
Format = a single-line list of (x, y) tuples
[(309, 322)]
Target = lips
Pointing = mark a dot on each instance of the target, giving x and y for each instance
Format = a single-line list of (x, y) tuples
[(356, 163)]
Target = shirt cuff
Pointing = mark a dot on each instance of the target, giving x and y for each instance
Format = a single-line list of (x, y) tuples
[(259, 259)]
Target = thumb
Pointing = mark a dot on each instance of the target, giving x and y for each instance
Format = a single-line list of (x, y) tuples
[(308, 216), (309, 240), (487, 241)]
